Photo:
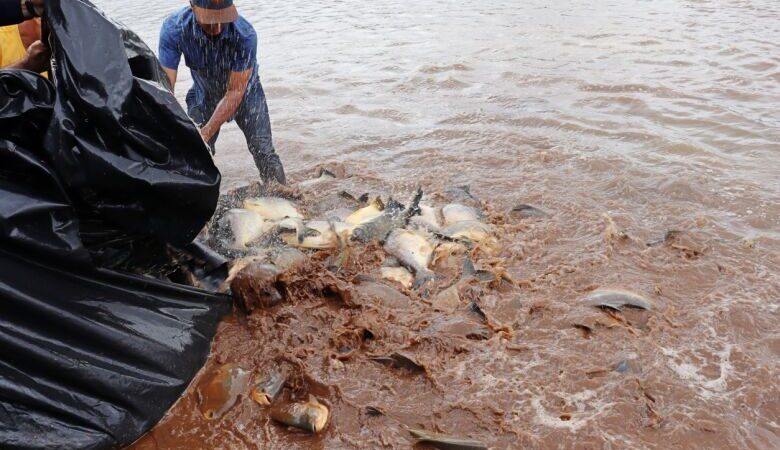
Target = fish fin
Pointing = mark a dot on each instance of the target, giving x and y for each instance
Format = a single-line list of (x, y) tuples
[(468, 268), (380, 205), (326, 172), (421, 278)]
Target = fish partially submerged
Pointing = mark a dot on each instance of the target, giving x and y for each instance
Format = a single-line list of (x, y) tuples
[(445, 442), (414, 251), (268, 388), (393, 217), (470, 230), (219, 392), (399, 275), (455, 213), (368, 213), (272, 208), (246, 227), (428, 219), (617, 299), (320, 235), (400, 361), (323, 175), (311, 416)]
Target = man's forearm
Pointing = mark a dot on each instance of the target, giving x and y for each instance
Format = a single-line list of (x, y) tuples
[(226, 108)]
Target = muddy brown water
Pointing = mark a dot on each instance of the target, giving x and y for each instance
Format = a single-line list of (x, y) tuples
[(658, 115)]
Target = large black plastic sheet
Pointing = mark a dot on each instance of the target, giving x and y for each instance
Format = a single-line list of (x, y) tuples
[(106, 162)]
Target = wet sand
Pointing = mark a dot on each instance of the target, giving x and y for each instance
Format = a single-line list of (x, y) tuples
[(659, 115)]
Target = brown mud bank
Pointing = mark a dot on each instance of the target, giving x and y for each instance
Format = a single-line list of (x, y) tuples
[(523, 350)]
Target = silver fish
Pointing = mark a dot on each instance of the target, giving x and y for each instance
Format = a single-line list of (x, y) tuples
[(617, 299), (414, 251), (393, 217), (311, 416), (444, 442)]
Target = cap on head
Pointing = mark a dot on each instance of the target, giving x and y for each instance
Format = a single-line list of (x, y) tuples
[(211, 12)]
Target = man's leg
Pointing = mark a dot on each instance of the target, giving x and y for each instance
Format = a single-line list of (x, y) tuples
[(200, 116), (253, 120)]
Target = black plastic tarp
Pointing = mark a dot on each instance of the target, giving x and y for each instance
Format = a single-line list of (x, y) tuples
[(102, 165)]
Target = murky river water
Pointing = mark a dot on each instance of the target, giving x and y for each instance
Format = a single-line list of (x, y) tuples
[(661, 115)]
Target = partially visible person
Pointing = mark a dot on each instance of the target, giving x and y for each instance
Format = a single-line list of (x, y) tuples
[(220, 49), (21, 47), (15, 53)]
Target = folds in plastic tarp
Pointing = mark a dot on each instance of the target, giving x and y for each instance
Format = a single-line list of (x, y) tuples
[(102, 162), (93, 359)]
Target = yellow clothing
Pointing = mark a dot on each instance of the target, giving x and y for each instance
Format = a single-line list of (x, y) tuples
[(11, 47)]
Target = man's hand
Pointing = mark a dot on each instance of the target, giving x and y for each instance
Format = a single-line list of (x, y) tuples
[(207, 133), (36, 59)]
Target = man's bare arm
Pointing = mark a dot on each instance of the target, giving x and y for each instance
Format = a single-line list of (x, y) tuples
[(229, 104), (171, 77)]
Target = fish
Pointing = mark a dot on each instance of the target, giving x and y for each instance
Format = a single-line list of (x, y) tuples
[(414, 251), (311, 416), (469, 271), (617, 299), (470, 230), (268, 388), (428, 218), (445, 442), (462, 193), (320, 235), (366, 214), (399, 275), (400, 361), (394, 216), (221, 391), (323, 175), (300, 228), (273, 208), (456, 213), (246, 227), (528, 211)]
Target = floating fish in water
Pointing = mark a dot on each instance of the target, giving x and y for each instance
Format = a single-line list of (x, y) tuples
[(414, 251), (311, 416), (428, 218), (455, 213), (395, 216), (272, 208), (668, 236), (461, 193), (246, 226), (444, 442), (617, 299), (220, 392), (528, 211), (398, 274), (324, 175), (400, 361), (367, 214), (268, 388), (470, 271), (470, 230)]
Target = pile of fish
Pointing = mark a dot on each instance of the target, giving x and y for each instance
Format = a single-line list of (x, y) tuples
[(413, 235)]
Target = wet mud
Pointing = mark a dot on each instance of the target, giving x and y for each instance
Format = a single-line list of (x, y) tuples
[(529, 343)]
